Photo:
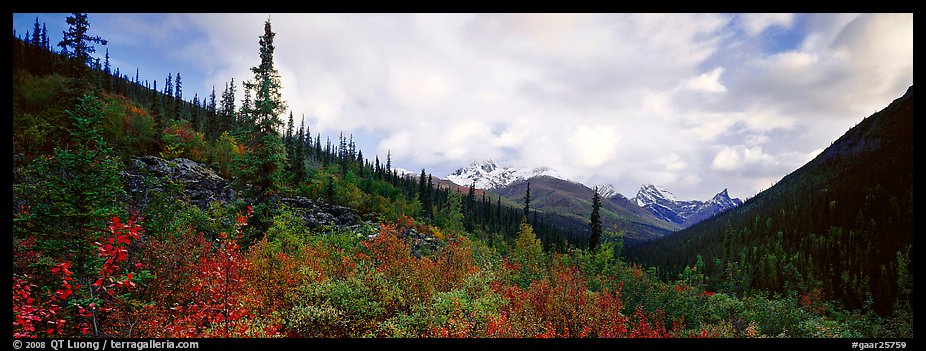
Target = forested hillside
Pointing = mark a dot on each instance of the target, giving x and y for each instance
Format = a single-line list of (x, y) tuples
[(141, 212), (840, 226)]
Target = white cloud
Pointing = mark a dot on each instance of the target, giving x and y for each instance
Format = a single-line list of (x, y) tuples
[(693, 102), (727, 160), (708, 82), (594, 145), (756, 23)]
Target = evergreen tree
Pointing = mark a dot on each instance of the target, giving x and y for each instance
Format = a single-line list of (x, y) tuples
[(389, 161), (225, 120), (470, 215), (595, 221), (178, 89), (527, 202), (288, 139), (209, 120), (243, 121), (422, 183), (107, 75), (76, 42), (36, 34), (44, 37), (77, 189), (169, 87), (498, 213), (77, 45), (263, 164), (298, 160), (194, 117), (429, 198)]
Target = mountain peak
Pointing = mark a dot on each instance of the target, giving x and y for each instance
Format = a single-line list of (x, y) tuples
[(650, 194), (724, 201), (487, 165), (488, 175), (664, 205), (607, 191)]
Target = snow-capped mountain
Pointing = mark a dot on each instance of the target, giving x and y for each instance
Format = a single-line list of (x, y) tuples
[(607, 191), (664, 205), (404, 172), (488, 175)]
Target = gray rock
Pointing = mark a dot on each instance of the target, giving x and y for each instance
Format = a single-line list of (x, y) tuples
[(201, 185)]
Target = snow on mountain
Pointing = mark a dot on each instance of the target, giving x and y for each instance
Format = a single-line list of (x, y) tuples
[(654, 194), (723, 200), (403, 172), (607, 191), (488, 175), (664, 205)]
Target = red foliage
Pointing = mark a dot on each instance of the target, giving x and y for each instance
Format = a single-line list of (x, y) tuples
[(114, 252), (34, 309), (212, 297)]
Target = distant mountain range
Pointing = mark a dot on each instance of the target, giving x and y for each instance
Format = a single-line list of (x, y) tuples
[(570, 205), (488, 175), (664, 205), (653, 213), (657, 202)]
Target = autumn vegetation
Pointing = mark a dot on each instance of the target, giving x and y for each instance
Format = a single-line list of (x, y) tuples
[(88, 261)]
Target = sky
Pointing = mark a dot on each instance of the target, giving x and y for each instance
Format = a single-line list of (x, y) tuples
[(692, 102)]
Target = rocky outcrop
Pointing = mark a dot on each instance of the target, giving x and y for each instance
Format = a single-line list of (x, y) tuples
[(316, 214), (201, 185)]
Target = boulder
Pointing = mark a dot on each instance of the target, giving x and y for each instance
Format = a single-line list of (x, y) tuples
[(201, 184)]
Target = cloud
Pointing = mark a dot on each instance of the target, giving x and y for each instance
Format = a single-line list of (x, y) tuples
[(745, 161), (594, 145), (708, 82), (693, 102), (756, 23)]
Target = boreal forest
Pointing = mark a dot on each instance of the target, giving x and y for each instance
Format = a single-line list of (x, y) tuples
[(143, 212)]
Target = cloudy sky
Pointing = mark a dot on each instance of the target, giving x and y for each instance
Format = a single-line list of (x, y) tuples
[(695, 103)]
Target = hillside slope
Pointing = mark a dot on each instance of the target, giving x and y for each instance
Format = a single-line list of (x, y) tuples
[(842, 223), (572, 202)]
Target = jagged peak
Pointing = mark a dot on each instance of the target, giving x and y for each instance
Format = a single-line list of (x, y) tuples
[(487, 174), (651, 192)]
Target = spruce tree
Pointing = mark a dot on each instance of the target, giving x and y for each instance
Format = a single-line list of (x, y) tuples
[(263, 164), (298, 160), (421, 188), (288, 139), (77, 46), (389, 161), (595, 221), (36, 34), (527, 202), (429, 199), (178, 89), (76, 42), (77, 189), (209, 121), (45, 37), (225, 120)]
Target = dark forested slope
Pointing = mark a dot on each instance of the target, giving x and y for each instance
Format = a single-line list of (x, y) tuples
[(842, 224)]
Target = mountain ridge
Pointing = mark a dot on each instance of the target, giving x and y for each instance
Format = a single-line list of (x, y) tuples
[(488, 175), (663, 204)]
